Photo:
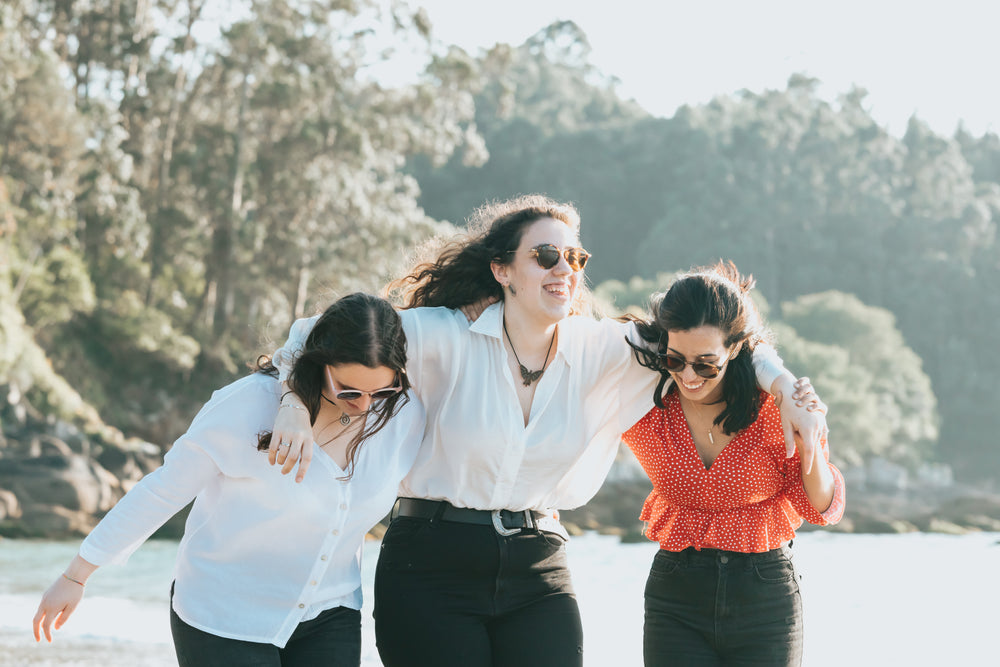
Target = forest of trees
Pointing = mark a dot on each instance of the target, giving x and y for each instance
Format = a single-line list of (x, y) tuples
[(170, 201)]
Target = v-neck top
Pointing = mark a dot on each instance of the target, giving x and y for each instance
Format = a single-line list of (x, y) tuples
[(477, 451), (751, 499)]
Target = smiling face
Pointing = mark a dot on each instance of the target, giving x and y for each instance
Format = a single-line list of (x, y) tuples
[(347, 377), (543, 295), (706, 344)]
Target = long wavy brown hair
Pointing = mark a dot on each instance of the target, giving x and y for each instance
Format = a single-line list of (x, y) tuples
[(457, 272), (716, 296), (356, 329)]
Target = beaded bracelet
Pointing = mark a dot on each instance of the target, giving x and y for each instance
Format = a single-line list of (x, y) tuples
[(292, 405), (75, 581)]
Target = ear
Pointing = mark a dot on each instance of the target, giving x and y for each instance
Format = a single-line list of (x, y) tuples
[(501, 272)]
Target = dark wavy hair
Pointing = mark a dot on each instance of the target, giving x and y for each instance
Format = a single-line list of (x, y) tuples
[(459, 271), (357, 329), (716, 296)]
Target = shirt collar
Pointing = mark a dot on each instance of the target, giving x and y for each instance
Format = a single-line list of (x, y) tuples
[(490, 323)]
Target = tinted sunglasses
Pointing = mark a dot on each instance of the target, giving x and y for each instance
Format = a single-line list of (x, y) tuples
[(676, 364), (547, 256), (355, 394)]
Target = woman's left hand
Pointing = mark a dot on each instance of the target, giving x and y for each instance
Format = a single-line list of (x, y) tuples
[(803, 418)]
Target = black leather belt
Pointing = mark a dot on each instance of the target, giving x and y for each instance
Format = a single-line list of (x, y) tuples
[(505, 522)]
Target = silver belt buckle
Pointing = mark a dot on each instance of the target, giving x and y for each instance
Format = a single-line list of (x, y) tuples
[(498, 525)]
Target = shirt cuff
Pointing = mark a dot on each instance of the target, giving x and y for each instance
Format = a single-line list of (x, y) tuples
[(835, 512)]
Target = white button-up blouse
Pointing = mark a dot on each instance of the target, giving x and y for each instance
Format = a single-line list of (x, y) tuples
[(260, 553), (476, 450)]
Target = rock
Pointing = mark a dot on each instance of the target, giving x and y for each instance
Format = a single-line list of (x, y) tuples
[(41, 520), (868, 523), (72, 482), (948, 528), (10, 508), (980, 504)]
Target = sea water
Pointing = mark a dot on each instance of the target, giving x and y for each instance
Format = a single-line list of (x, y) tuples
[(914, 599)]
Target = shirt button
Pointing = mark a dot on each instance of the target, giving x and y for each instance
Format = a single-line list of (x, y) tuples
[(343, 506), (301, 606), (335, 532), (312, 583), (323, 557)]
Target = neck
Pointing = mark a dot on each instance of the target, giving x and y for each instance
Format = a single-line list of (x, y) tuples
[(528, 334)]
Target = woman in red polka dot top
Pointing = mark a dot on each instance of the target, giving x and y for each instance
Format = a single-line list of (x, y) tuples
[(726, 497)]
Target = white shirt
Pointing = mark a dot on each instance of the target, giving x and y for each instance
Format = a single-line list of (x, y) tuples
[(260, 553), (476, 450)]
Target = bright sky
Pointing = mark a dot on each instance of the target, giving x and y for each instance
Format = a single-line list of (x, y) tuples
[(939, 59)]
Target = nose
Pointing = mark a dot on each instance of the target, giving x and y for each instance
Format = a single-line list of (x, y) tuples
[(688, 375), (562, 267), (364, 402)]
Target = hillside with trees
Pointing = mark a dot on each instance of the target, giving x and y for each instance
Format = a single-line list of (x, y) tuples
[(172, 197)]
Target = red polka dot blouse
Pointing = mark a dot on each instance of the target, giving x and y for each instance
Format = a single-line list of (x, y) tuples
[(750, 500)]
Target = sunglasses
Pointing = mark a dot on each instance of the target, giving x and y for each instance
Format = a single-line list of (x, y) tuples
[(676, 364), (355, 394), (547, 256)]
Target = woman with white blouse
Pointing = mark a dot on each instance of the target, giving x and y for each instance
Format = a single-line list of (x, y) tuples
[(268, 571), (526, 407)]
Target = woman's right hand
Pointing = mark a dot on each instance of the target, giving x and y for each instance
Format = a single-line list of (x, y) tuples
[(472, 311), (291, 438)]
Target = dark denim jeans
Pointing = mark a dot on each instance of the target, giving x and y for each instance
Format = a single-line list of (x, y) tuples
[(461, 595), (332, 639), (713, 607)]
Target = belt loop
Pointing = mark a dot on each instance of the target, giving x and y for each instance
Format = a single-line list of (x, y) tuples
[(529, 521)]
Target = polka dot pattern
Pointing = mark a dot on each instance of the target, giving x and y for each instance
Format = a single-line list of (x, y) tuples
[(750, 500)]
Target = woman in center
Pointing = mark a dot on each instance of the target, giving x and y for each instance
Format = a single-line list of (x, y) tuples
[(525, 410)]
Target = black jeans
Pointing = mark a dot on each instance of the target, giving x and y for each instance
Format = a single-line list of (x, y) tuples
[(332, 639), (714, 607), (461, 595)]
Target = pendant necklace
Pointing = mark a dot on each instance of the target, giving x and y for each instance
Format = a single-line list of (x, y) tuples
[(701, 414), (528, 376), (345, 419)]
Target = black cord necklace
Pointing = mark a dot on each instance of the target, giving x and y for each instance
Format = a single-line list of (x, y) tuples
[(345, 418), (526, 375)]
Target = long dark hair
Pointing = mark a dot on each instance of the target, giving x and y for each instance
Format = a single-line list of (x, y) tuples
[(458, 272), (357, 329), (716, 296)]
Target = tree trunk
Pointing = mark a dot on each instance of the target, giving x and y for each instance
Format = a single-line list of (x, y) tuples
[(155, 252), (222, 238)]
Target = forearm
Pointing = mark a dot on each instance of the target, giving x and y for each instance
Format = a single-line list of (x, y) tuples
[(818, 483)]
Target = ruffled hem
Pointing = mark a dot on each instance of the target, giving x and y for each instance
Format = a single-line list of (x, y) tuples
[(752, 529)]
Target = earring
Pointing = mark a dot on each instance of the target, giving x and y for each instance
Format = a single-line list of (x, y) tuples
[(513, 291)]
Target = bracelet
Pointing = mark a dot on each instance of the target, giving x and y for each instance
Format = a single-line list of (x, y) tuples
[(292, 405), (75, 581)]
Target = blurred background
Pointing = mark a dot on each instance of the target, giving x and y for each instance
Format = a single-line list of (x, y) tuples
[(180, 179)]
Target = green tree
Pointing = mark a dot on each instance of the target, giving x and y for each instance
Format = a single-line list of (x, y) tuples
[(881, 401)]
